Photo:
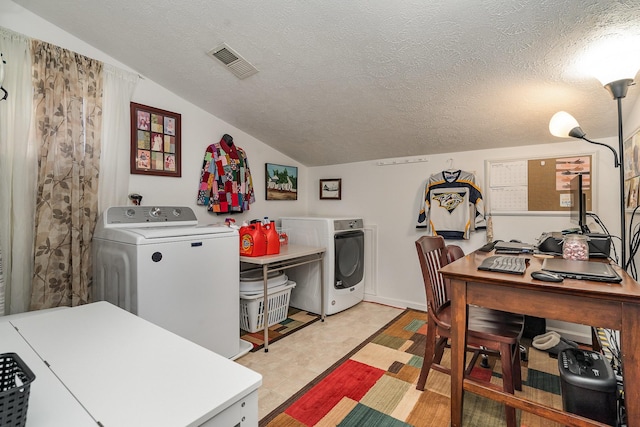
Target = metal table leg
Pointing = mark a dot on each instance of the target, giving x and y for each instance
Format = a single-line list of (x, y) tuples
[(322, 307), (265, 277)]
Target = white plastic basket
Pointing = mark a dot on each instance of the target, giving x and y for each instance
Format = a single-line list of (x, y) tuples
[(252, 307)]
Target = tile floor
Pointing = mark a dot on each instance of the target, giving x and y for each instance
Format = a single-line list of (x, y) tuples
[(294, 361)]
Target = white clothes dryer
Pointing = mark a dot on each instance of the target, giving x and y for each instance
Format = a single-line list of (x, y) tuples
[(343, 263), (158, 263)]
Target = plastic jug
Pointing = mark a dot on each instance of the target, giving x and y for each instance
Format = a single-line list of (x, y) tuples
[(253, 241), (273, 239)]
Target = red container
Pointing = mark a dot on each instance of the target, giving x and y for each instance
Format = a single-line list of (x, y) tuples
[(273, 239), (253, 241)]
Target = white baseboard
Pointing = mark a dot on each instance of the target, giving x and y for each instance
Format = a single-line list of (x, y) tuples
[(394, 302), (571, 331)]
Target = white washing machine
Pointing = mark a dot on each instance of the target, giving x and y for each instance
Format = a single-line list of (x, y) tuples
[(159, 264), (343, 239)]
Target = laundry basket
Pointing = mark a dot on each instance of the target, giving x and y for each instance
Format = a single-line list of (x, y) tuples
[(252, 307), (15, 384)]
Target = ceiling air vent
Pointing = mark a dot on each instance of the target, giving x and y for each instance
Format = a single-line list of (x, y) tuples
[(234, 62)]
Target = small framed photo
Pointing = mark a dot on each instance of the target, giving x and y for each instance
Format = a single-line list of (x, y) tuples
[(281, 182), (155, 141), (331, 189)]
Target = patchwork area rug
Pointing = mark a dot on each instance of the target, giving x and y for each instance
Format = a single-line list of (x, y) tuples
[(296, 320), (374, 385)]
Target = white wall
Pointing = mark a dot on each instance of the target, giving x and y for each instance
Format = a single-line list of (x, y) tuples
[(388, 196), (630, 114), (199, 129)]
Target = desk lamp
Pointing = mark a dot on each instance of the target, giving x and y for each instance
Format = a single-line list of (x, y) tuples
[(563, 125)]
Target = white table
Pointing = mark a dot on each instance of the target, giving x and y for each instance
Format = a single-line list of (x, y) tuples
[(100, 364), (290, 256), (50, 403)]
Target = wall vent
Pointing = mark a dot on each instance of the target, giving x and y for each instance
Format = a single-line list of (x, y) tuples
[(239, 66)]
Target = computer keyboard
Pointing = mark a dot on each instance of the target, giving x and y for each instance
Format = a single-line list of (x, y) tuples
[(504, 264)]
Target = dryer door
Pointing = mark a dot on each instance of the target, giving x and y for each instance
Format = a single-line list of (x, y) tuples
[(349, 259)]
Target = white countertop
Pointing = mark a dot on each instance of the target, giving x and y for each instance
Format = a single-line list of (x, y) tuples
[(46, 391), (124, 370), (287, 252)]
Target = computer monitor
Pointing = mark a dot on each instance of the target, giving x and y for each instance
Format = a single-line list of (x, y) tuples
[(578, 204)]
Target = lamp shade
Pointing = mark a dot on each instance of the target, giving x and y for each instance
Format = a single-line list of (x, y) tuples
[(613, 56), (623, 70), (562, 123)]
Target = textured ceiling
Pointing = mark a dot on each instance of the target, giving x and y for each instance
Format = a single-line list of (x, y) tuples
[(345, 81)]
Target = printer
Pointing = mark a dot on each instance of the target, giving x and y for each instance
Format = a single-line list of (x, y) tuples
[(551, 243)]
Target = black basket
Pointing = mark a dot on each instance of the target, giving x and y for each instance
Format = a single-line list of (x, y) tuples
[(15, 383)]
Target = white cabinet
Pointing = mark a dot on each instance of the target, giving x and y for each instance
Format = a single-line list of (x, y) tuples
[(125, 371)]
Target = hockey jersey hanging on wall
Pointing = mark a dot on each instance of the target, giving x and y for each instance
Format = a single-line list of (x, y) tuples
[(451, 205)]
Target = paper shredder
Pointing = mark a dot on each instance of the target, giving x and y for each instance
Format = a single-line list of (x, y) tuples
[(588, 385)]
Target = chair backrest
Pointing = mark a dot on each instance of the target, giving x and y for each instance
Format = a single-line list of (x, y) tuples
[(454, 252), (434, 254)]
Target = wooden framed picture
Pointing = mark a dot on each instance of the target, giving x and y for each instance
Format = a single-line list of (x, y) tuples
[(155, 141), (281, 182), (632, 155), (331, 189)]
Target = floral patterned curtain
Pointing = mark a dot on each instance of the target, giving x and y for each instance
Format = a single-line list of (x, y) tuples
[(68, 118)]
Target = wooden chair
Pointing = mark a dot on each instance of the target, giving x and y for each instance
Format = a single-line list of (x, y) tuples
[(488, 330)]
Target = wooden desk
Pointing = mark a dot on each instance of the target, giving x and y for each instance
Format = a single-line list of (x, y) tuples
[(290, 256), (612, 306)]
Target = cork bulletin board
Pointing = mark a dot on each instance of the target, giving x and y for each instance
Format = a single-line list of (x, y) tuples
[(537, 185)]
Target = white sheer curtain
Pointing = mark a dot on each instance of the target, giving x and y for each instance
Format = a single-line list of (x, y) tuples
[(18, 168), (118, 87)]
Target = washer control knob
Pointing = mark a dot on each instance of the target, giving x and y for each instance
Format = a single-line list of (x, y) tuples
[(352, 224), (177, 212), (130, 213), (155, 212)]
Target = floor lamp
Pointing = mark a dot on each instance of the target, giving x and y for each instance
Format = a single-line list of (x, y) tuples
[(563, 125), (2, 62)]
